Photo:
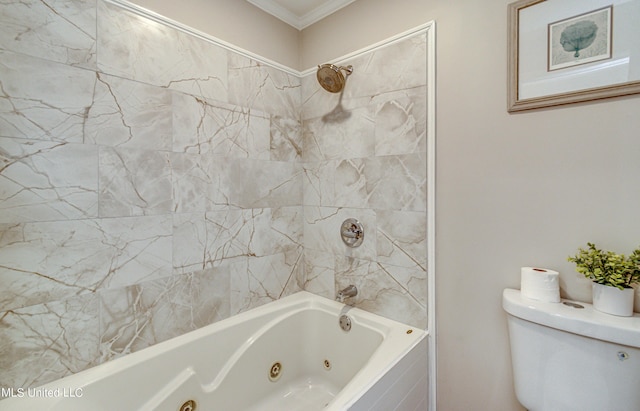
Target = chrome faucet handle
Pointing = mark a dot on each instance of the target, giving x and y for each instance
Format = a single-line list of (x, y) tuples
[(352, 232)]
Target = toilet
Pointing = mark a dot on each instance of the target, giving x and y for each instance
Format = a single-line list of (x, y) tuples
[(569, 357)]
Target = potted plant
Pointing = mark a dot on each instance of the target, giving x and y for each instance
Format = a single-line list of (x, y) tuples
[(612, 275)]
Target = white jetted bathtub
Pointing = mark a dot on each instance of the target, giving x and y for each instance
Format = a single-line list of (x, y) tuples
[(291, 354)]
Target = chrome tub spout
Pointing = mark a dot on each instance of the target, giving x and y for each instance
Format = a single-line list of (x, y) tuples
[(350, 291)]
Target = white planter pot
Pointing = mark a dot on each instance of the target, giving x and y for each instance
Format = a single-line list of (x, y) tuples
[(612, 300)]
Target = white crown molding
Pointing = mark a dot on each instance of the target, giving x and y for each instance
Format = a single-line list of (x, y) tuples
[(300, 22)]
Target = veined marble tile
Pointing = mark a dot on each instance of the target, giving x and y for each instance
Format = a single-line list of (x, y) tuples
[(202, 183), (261, 280), (129, 114), (353, 136), (145, 314), (286, 139), (286, 228), (393, 182), (197, 183), (44, 181), (45, 342), (273, 231), (210, 240), (140, 49), (319, 183), (202, 127), (48, 261), (387, 182), (134, 182), (402, 238), (322, 231), (258, 86), (58, 30), (393, 292), (42, 100), (258, 184), (398, 66), (401, 122), (319, 273)]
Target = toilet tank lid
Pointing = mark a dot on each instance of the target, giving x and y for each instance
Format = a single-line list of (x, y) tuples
[(567, 317)]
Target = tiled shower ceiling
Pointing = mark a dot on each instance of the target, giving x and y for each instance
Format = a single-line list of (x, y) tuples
[(300, 13)]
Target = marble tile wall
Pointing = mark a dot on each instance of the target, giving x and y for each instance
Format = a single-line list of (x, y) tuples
[(365, 157), (152, 182)]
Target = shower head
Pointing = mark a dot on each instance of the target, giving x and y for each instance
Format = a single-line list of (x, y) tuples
[(331, 78)]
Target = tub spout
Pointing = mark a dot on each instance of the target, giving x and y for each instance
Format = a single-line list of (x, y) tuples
[(350, 291)]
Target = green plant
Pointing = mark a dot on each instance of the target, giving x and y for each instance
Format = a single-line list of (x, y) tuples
[(607, 267)]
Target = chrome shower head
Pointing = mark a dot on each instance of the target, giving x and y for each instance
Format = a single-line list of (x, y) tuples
[(331, 78)]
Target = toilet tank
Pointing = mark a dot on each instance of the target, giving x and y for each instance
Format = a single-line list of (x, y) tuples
[(567, 356)]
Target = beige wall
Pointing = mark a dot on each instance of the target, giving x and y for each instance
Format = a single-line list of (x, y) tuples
[(512, 190)]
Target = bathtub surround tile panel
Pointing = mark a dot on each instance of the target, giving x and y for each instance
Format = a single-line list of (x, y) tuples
[(208, 239), (199, 183), (61, 30), (258, 184), (43, 100), (349, 134), (211, 239), (137, 48), (45, 342), (387, 182), (257, 86), (399, 66), (49, 261), (285, 139), (401, 238), (203, 127), (134, 182), (318, 275), (129, 114), (401, 122), (319, 182), (260, 280), (389, 291), (396, 182), (234, 183), (145, 314), (39, 181)]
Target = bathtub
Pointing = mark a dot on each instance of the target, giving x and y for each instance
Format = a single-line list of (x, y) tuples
[(290, 354)]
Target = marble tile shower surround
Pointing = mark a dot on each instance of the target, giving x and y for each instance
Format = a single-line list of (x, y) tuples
[(153, 182)]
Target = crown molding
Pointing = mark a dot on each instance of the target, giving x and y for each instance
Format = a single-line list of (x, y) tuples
[(300, 22)]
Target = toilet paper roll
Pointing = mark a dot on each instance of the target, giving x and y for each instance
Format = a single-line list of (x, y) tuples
[(540, 284)]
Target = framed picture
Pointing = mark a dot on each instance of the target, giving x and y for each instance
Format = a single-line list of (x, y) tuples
[(568, 51)]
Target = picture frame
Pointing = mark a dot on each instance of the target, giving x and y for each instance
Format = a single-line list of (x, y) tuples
[(569, 51)]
